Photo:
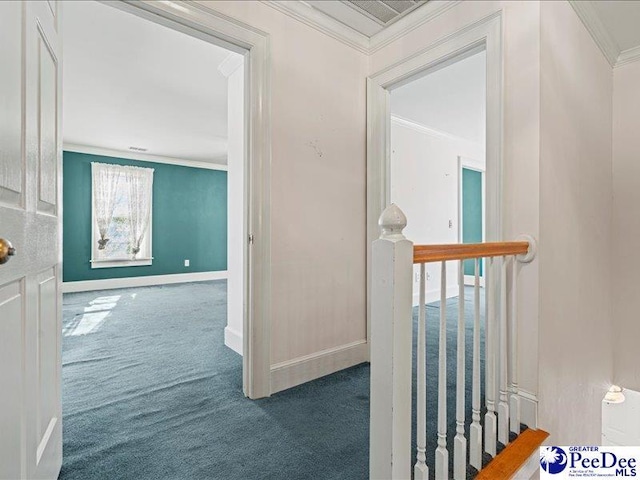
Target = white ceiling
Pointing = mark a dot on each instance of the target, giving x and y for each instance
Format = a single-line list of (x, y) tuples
[(451, 100), (130, 82), (366, 16), (622, 21)]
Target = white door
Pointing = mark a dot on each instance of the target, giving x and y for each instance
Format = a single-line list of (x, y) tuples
[(30, 192)]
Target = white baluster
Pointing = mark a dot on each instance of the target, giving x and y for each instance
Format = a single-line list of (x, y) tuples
[(421, 471), (475, 430), (391, 340), (490, 421), (442, 454), (514, 400), (460, 441), (503, 404)]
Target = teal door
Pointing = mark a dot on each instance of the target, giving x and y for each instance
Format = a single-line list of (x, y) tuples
[(471, 212)]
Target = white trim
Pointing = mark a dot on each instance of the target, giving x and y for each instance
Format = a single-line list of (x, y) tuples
[(314, 18), (205, 22), (528, 408), (589, 17), (126, 262), (419, 127), (230, 64), (628, 56), (233, 339), (141, 157), (146, 281), (309, 367), (404, 25), (432, 296), (485, 33), (470, 280), (472, 164)]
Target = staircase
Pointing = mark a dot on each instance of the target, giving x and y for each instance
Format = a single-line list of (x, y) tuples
[(512, 461), (497, 446)]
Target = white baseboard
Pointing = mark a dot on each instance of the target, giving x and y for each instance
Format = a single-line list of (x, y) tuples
[(471, 280), (434, 295), (304, 369), (128, 282), (233, 339), (528, 409)]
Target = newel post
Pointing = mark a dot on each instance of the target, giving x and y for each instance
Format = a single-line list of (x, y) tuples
[(391, 345)]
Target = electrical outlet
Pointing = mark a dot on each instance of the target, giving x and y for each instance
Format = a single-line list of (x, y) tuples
[(186, 263)]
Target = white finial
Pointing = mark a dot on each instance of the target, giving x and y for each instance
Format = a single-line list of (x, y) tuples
[(392, 221)]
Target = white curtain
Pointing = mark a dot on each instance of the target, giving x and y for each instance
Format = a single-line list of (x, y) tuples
[(140, 185), (105, 180)]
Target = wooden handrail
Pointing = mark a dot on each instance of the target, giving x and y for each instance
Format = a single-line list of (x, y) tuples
[(464, 251), (514, 456)]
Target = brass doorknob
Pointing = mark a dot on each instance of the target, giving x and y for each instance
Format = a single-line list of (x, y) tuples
[(6, 251)]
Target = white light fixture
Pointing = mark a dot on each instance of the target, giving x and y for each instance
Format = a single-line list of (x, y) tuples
[(614, 395)]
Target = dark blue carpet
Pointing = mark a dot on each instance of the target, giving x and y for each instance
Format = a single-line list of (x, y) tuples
[(151, 392)]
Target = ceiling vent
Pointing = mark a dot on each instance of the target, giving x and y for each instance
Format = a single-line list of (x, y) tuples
[(385, 11), (138, 149)]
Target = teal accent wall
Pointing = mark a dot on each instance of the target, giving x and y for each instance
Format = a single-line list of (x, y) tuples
[(189, 219), (471, 212)]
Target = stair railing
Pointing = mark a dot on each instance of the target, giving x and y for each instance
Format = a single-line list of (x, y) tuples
[(393, 257)]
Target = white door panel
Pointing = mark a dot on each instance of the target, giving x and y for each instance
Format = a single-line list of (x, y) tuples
[(11, 161), (11, 405), (30, 315), (47, 123)]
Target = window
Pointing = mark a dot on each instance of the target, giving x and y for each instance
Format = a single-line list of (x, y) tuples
[(121, 209)]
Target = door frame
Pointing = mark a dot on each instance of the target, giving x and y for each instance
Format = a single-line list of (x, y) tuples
[(485, 34), (214, 27)]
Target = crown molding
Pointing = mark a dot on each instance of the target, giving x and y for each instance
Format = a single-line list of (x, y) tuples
[(608, 46), (419, 127), (628, 56), (322, 22), (404, 25), (589, 16), (314, 18), (108, 152)]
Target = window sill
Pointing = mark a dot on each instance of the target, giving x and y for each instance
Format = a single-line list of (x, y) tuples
[(125, 262)]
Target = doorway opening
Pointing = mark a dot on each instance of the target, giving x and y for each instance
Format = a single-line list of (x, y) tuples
[(438, 160), (154, 227)]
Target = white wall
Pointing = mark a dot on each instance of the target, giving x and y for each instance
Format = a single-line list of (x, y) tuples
[(576, 358), (626, 223), (318, 177), (424, 183), (236, 235), (521, 49), (451, 99)]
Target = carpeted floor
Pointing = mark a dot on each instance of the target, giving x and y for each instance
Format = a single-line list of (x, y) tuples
[(151, 392)]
